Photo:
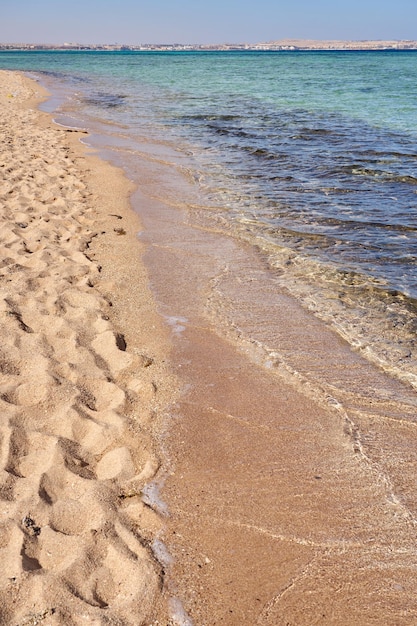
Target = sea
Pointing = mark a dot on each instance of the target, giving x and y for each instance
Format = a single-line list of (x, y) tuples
[(308, 157)]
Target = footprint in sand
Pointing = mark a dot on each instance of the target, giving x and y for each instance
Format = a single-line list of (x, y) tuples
[(70, 545)]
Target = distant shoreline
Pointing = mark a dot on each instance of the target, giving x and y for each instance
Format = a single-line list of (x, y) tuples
[(283, 44)]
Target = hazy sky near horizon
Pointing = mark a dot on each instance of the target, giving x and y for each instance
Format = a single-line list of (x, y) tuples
[(208, 21)]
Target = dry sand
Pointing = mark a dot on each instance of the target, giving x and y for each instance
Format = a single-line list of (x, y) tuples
[(81, 375)]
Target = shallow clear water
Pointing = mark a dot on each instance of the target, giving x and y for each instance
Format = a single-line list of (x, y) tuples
[(310, 156)]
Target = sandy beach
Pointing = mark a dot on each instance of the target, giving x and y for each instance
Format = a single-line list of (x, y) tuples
[(81, 361), (289, 478)]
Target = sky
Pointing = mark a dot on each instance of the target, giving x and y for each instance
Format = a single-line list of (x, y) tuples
[(203, 21)]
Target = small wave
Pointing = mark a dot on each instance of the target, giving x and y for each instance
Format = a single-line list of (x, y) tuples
[(234, 132), (263, 153), (366, 224), (51, 73), (210, 118), (382, 174), (317, 131), (387, 154), (72, 78), (310, 134), (106, 100), (367, 312)]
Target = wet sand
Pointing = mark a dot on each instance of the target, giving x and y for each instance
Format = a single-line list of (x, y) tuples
[(291, 486), (288, 461)]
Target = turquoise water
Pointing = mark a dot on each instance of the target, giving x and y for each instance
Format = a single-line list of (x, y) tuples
[(310, 156)]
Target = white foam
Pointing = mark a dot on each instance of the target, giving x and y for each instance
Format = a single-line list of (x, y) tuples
[(151, 497), (178, 614), (178, 324)]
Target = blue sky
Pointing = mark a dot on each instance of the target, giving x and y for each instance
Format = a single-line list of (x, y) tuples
[(203, 21)]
